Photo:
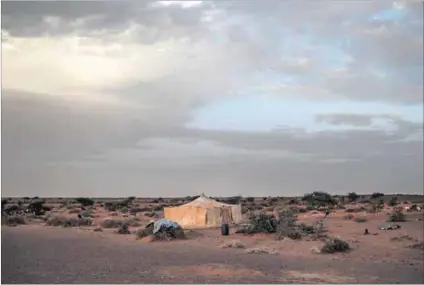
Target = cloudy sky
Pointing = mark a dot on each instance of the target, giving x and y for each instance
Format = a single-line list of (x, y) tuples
[(229, 97)]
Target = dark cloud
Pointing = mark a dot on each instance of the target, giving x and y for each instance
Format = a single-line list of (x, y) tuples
[(57, 145), (171, 60)]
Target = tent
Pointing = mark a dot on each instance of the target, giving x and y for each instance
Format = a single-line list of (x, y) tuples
[(203, 212)]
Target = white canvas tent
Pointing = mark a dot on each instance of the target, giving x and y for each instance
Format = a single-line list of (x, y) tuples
[(203, 212)]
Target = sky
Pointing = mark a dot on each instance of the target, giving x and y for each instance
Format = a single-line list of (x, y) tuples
[(252, 98)]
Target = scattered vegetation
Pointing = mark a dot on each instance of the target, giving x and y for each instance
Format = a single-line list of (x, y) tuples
[(85, 201), (114, 223), (334, 245), (396, 216), (377, 195), (283, 225), (319, 199), (123, 230), (86, 214), (60, 221), (36, 207), (150, 214), (13, 220), (352, 196)]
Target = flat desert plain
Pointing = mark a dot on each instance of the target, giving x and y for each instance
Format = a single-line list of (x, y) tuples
[(37, 253)]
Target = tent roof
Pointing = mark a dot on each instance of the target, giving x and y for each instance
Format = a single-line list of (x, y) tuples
[(205, 202)]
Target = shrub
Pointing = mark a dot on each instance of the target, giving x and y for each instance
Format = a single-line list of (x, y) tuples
[(354, 210), (85, 201), (158, 208), (36, 207), (11, 209), (13, 220), (150, 214), (250, 199), (134, 211), (86, 214), (396, 216), (293, 202), (376, 195), (352, 196), (123, 230), (59, 221), (111, 223), (319, 199), (361, 219), (124, 210), (333, 245)]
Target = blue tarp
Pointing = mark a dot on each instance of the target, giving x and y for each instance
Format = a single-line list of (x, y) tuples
[(164, 223)]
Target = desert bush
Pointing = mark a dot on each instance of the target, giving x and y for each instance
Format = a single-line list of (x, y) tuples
[(11, 209), (354, 210), (4, 202), (376, 195), (112, 223), (250, 199), (134, 211), (393, 201), (333, 245), (158, 208), (13, 220), (293, 202), (36, 207), (319, 199), (124, 210), (150, 214), (123, 230), (98, 229), (85, 201), (59, 221), (396, 216), (360, 219), (273, 200), (86, 214), (352, 196), (310, 208)]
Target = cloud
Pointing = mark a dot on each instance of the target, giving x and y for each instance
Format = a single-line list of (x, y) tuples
[(98, 96)]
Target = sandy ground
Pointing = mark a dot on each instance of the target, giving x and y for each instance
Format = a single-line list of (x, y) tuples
[(39, 254)]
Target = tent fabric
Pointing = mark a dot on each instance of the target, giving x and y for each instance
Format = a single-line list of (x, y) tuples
[(203, 212)]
